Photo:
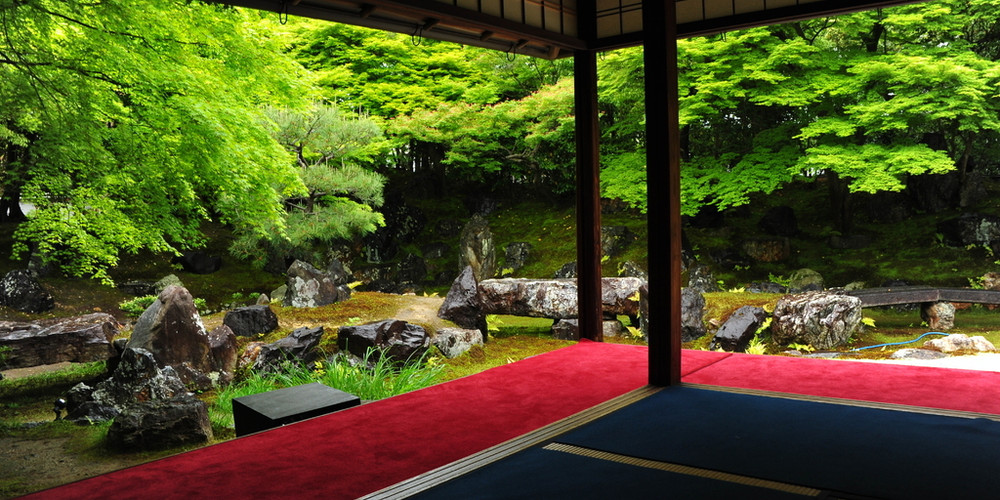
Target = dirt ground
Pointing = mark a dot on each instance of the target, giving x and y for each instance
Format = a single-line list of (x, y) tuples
[(28, 465)]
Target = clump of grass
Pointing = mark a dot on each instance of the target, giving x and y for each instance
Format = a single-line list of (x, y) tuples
[(48, 382), (376, 377)]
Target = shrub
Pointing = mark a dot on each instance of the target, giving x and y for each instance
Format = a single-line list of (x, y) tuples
[(135, 307)]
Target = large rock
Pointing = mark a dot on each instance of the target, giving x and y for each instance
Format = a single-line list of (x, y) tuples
[(692, 312), (454, 342), (823, 320), (615, 240), (736, 333), (166, 282), (398, 340), (476, 248), (199, 262), (556, 299), (631, 269), (701, 278), (971, 229), (805, 280), (137, 378), (298, 347), (463, 305), (21, 291), (172, 330), (251, 320), (938, 315), (516, 255), (310, 287), (79, 340), (960, 342), (222, 351), (567, 270), (162, 424)]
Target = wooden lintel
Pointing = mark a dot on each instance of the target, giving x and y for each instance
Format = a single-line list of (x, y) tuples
[(367, 10), (485, 36)]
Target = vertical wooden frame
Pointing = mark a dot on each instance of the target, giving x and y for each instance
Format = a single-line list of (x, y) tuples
[(588, 171), (659, 19)]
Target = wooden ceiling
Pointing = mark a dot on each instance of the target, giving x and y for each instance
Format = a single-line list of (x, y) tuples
[(552, 28)]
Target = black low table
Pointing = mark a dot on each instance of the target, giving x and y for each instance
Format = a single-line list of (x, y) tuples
[(267, 410)]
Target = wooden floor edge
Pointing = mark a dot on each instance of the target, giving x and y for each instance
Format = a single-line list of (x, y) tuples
[(503, 450), (846, 402)]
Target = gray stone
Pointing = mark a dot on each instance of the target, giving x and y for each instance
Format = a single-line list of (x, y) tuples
[(463, 305), (263, 300), (222, 351), (279, 293), (81, 339), (165, 282), (138, 288), (766, 287), (736, 333), (615, 240), (823, 320), (454, 342), (939, 316), (516, 255), (630, 269), (960, 342), (20, 290), (161, 424), (476, 248), (298, 347), (700, 278), (970, 229), (91, 412), (692, 312), (392, 338), (338, 272), (310, 287), (569, 329), (556, 299), (568, 270), (917, 354), (171, 329), (137, 378), (251, 320), (805, 280)]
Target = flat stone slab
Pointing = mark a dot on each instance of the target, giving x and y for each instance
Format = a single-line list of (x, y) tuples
[(267, 410)]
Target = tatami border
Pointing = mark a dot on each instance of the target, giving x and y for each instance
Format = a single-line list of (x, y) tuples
[(503, 450)]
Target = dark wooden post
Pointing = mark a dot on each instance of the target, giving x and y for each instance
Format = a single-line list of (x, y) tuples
[(659, 20), (588, 171)]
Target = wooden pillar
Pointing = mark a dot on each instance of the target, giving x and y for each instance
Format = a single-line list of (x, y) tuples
[(588, 208), (659, 21)]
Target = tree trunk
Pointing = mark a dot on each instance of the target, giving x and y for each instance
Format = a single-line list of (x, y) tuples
[(840, 202), (10, 185)]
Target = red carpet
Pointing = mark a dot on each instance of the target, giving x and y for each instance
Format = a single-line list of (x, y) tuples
[(966, 390), (364, 449)]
